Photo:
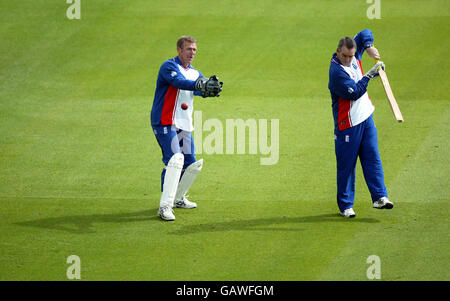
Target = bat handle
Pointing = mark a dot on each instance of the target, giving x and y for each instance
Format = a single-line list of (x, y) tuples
[(376, 61)]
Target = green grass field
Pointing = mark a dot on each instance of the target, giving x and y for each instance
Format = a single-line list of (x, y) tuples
[(80, 167)]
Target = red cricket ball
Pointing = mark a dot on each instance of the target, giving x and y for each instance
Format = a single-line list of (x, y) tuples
[(184, 106)]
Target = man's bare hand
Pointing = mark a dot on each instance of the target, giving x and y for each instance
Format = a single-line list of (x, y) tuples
[(373, 52)]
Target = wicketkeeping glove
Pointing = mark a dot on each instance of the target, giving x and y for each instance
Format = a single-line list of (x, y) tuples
[(210, 87), (374, 71)]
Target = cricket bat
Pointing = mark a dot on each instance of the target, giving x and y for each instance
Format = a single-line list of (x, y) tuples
[(390, 95)]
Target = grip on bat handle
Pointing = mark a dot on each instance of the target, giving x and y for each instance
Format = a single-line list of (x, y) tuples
[(376, 61)]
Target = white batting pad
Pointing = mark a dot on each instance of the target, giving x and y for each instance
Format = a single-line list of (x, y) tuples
[(190, 173), (171, 179)]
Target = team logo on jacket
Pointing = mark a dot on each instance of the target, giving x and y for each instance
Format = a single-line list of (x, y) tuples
[(173, 73), (350, 90), (354, 66)]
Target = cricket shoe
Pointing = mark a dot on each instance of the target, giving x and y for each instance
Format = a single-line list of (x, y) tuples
[(348, 213), (383, 203), (185, 203), (166, 213)]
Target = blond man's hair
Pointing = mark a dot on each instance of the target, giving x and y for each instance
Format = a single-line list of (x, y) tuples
[(183, 39)]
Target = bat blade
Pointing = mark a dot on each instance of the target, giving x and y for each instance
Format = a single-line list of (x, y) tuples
[(390, 96)]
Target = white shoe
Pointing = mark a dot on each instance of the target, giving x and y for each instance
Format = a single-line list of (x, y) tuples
[(166, 213), (349, 213), (185, 203), (383, 203)]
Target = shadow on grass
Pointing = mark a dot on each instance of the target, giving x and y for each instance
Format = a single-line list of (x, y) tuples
[(81, 224), (267, 224)]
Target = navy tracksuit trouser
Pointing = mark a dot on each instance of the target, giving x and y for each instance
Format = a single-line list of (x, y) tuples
[(171, 141), (358, 141)]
